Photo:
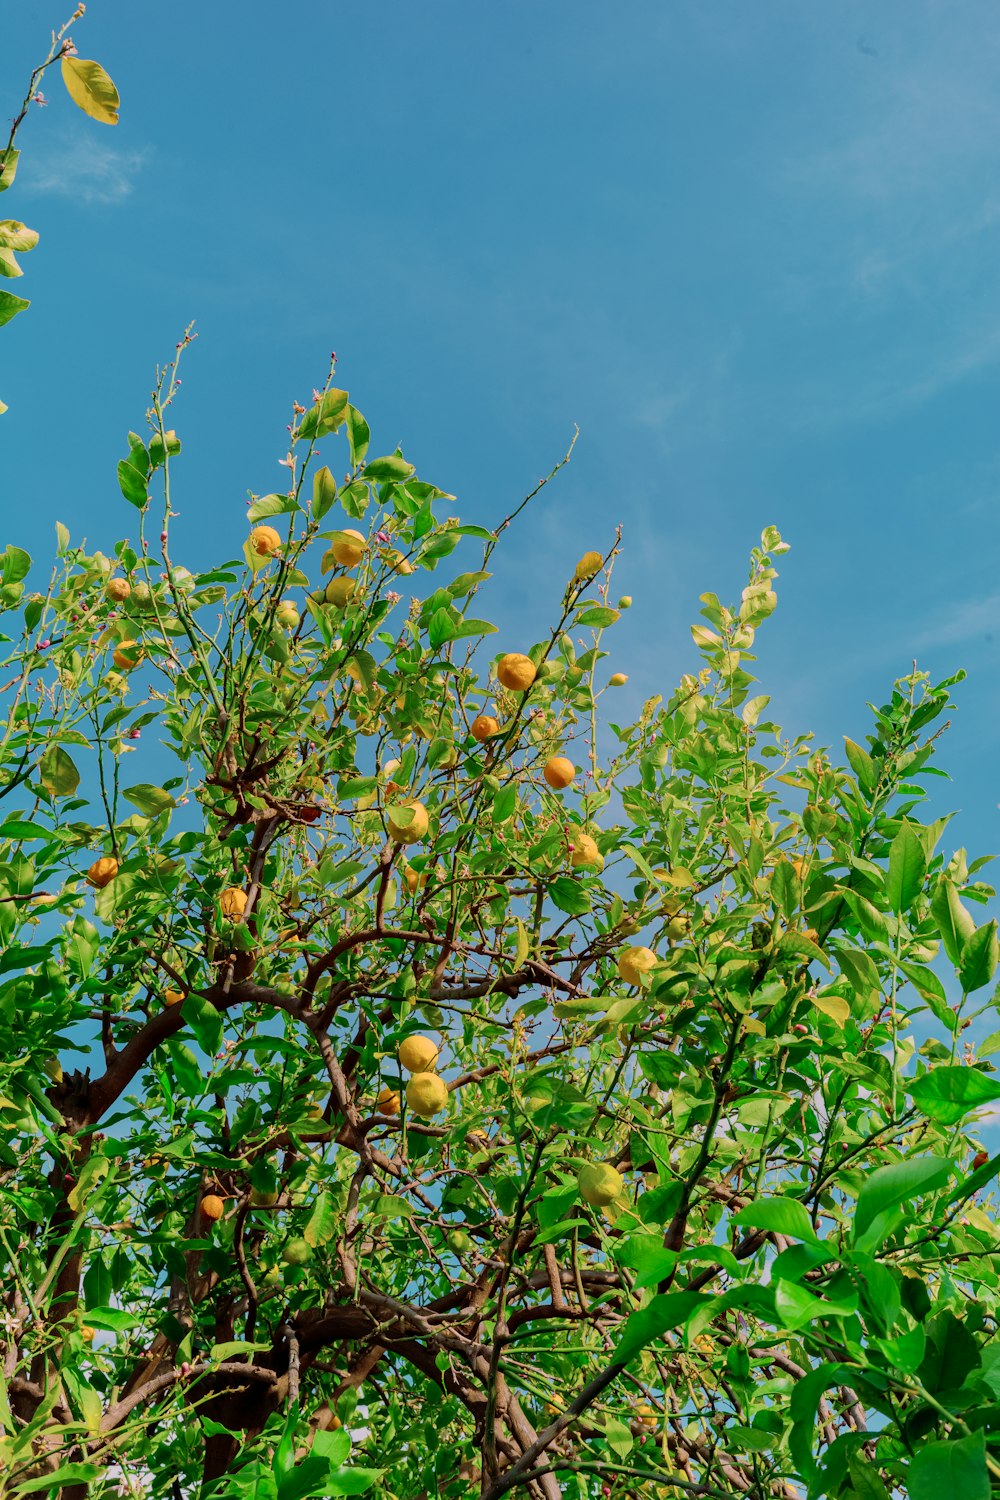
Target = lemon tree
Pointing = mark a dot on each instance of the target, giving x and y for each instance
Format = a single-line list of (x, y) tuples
[(416, 1082)]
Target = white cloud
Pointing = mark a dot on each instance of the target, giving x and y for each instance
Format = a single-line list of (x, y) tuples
[(971, 618), (80, 165)]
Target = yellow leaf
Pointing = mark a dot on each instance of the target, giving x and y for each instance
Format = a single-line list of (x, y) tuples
[(755, 1027), (91, 89), (521, 952), (91, 1406), (834, 1006)]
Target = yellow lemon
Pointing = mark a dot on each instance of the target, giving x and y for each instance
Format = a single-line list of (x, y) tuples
[(484, 727), (388, 1102), (559, 772), (349, 548), (418, 1054), (584, 852), (408, 830), (118, 590), (265, 541), (127, 654), (426, 1094), (516, 671), (634, 962), (173, 997), (233, 902), (212, 1206), (617, 679), (102, 871)]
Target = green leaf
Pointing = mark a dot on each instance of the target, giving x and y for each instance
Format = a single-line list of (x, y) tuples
[(91, 89), (441, 629), (569, 896), (334, 1446), (352, 1481), (505, 802), (324, 492), (783, 1215), (10, 306), (667, 1310), (955, 1467), (67, 1474), (898, 1183), (307, 1479), (618, 1437), (392, 467), (321, 1224), (906, 1350), (111, 1319), (799, 946), (797, 1308), (57, 772), (205, 1021), (236, 1346), (358, 435), (474, 627), (979, 958), (8, 168), (150, 800), (325, 415), (907, 867), (952, 1353), (359, 786), (272, 505), (929, 987), (598, 615), (132, 484), (954, 922), (803, 1401), (861, 764), (947, 1094), (15, 564)]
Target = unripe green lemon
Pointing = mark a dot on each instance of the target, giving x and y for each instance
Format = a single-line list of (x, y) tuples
[(459, 1242), (599, 1183), (339, 590), (297, 1252)]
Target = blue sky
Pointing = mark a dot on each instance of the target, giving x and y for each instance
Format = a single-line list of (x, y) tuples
[(751, 249)]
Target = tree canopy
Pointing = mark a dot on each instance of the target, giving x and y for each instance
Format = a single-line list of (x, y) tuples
[(418, 1082)]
